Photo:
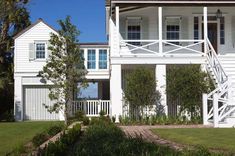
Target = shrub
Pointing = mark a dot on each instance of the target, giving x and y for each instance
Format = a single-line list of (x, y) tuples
[(55, 130), (80, 115), (107, 139), (113, 119), (62, 146), (86, 121), (40, 138)]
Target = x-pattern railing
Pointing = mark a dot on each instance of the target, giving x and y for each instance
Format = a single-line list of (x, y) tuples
[(169, 46)]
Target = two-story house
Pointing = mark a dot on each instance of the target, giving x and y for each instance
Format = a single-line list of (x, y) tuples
[(151, 33)]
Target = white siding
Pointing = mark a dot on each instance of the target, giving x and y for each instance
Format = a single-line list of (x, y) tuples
[(40, 32)]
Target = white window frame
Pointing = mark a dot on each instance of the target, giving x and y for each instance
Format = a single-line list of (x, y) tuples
[(180, 26), (95, 50), (103, 60), (127, 24), (35, 50)]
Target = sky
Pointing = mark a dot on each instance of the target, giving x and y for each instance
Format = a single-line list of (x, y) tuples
[(87, 15)]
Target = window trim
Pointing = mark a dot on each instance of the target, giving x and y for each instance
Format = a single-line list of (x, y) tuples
[(87, 62), (141, 23), (180, 28), (35, 50)]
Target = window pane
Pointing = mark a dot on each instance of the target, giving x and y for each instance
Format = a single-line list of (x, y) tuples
[(102, 59), (40, 50), (91, 62)]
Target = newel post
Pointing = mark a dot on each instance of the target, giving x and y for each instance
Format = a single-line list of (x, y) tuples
[(160, 30), (216, 110), (205, 109)]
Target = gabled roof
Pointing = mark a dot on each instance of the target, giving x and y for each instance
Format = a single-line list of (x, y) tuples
[(31, 26)]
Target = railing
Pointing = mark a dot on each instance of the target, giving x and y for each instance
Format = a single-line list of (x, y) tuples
[(217, 104), (169, 47), (91, 108)]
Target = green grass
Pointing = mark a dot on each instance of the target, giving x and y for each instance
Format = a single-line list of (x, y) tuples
[(220, 139), (14, 135)]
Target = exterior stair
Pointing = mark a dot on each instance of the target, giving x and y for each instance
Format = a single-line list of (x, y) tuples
[(219, 105)]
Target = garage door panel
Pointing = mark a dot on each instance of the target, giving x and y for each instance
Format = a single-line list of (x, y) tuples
[(35, 98)]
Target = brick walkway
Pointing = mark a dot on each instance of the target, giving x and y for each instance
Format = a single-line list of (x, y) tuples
[(145, 133)]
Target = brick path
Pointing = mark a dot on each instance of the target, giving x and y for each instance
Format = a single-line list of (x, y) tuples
[(146, 133)]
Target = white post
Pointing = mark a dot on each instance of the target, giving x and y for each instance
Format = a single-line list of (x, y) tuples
[(160, 29), (18, 101), (215, 110), (118, 29), (160, 72), (116, 91), (205, 28), (205, 109)]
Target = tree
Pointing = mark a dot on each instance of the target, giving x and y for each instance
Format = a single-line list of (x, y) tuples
[(187, 83), (64, 68), (14, 17), (140, 90)]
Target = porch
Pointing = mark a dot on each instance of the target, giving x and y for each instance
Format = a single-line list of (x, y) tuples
[(93, 99)]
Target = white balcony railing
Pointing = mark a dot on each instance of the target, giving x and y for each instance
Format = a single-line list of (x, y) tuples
[(169, 47), (91, 108)]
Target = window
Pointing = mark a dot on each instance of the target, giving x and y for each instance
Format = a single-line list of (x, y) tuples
[(222, 31), (134, 30), (40, 50), (173, 29), (196, 28), (91, 63), (102, 59)]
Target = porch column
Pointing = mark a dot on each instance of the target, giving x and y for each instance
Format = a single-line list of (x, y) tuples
[(160, 29), (117, 29), (160, 72), (205, 109), (18, 101), (205, 28), (116, 91)]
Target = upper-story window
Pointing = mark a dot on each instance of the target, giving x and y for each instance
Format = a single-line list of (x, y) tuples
[(134, 29), (91, 59), (222, 30), (173, 29), (102, 59), (40, 50), (196, 28)]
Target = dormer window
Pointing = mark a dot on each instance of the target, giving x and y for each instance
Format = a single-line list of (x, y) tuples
[(40, 50)]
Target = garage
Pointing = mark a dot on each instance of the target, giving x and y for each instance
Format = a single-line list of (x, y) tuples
[(34, 98)]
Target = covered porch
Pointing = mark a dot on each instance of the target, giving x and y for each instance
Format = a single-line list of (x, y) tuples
[(93, 99)]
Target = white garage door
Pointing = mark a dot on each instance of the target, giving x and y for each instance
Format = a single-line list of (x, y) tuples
[(34, 98)]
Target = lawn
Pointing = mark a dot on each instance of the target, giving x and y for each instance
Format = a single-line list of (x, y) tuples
[(13, 135), (221, 139)]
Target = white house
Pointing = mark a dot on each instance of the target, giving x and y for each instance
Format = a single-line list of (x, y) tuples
[(153, 33)]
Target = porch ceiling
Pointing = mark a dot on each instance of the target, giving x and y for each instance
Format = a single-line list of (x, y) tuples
[(144, 3)]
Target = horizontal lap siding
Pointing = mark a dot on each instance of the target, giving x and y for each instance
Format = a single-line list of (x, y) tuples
[(40, 32)]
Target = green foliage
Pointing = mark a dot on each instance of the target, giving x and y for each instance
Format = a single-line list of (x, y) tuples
[(85, 121), (40, 138), (14, 17), (187, 83), (79, 115), (62, 146), (140, 90), (107, 139), (160, 120), (65, 67)]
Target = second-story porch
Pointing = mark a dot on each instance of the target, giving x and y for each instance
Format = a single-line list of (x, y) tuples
[(152, 30)]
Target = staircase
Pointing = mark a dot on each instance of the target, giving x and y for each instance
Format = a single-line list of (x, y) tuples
[(218, 106)]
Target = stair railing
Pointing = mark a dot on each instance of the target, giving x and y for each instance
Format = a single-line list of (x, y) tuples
[(218, 99)]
